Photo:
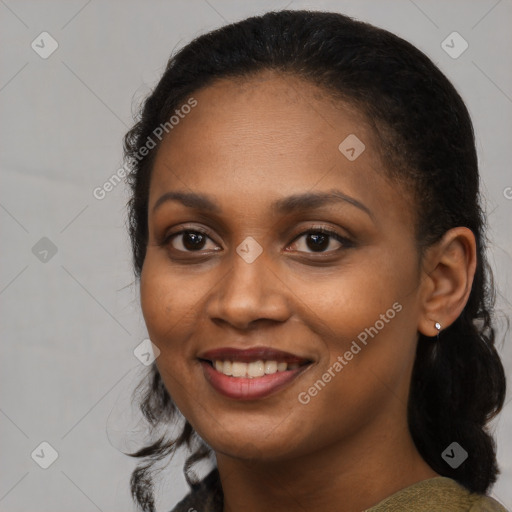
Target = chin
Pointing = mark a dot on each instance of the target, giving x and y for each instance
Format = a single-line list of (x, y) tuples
[(253, 443)]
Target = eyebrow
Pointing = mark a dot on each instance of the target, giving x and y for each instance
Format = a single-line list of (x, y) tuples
[(287, 205)]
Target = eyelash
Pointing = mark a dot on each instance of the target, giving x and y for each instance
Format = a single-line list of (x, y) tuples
[(346, 243)]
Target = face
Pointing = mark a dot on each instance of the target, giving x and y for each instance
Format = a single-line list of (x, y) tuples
[(278, 258)]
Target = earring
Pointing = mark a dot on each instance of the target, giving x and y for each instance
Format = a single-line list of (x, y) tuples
[(437, 325)]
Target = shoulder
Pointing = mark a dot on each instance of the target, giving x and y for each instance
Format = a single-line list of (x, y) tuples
[(438, 494), (487, 504), (206, 496)]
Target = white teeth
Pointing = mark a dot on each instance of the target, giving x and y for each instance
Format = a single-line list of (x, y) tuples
[(252, 370), (270, 367), (228, 368), (256, 369), (238, 369), (281, 367)]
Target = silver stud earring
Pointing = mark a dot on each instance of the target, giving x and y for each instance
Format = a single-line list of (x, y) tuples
[(437, 325)]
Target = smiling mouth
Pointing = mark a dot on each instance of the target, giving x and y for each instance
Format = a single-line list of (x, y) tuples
[(250, 374), (254, 369)]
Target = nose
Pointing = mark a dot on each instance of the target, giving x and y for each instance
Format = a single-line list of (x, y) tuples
[(249, 294)]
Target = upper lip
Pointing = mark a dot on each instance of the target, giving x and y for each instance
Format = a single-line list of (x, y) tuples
[(248, 355)]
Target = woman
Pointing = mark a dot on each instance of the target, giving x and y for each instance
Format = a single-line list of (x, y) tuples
[(306, 227)]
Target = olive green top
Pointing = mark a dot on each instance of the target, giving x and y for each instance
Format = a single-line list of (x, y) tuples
[(439, 494)]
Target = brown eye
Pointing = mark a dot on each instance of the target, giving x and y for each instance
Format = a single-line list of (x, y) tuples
[(321, 240), (317, 241), (188, 240)]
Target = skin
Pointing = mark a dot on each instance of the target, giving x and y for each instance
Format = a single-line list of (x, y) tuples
[(246, 144)]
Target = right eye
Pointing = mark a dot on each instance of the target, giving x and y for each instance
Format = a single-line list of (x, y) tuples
[(188, 240)]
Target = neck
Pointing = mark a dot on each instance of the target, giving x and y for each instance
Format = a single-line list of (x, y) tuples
[(349, 477)]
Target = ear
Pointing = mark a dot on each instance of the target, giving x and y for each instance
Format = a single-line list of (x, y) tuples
[(448, 272)]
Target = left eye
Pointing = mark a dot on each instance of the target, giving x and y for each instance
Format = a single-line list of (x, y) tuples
[(319, 241)]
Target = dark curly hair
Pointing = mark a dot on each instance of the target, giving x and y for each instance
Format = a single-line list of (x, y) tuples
[(458, 384)]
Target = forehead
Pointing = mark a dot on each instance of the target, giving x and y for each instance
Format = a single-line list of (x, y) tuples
[(268, 136)]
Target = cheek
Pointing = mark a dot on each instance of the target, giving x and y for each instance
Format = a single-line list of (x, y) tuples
[(367, 317), (168, 311), (155, 297), (354, 296), (166, 304)]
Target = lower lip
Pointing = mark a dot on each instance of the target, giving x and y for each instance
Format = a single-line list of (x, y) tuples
[(241, 388)]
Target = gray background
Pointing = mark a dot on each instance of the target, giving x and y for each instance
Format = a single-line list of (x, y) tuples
[(71, 321)]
